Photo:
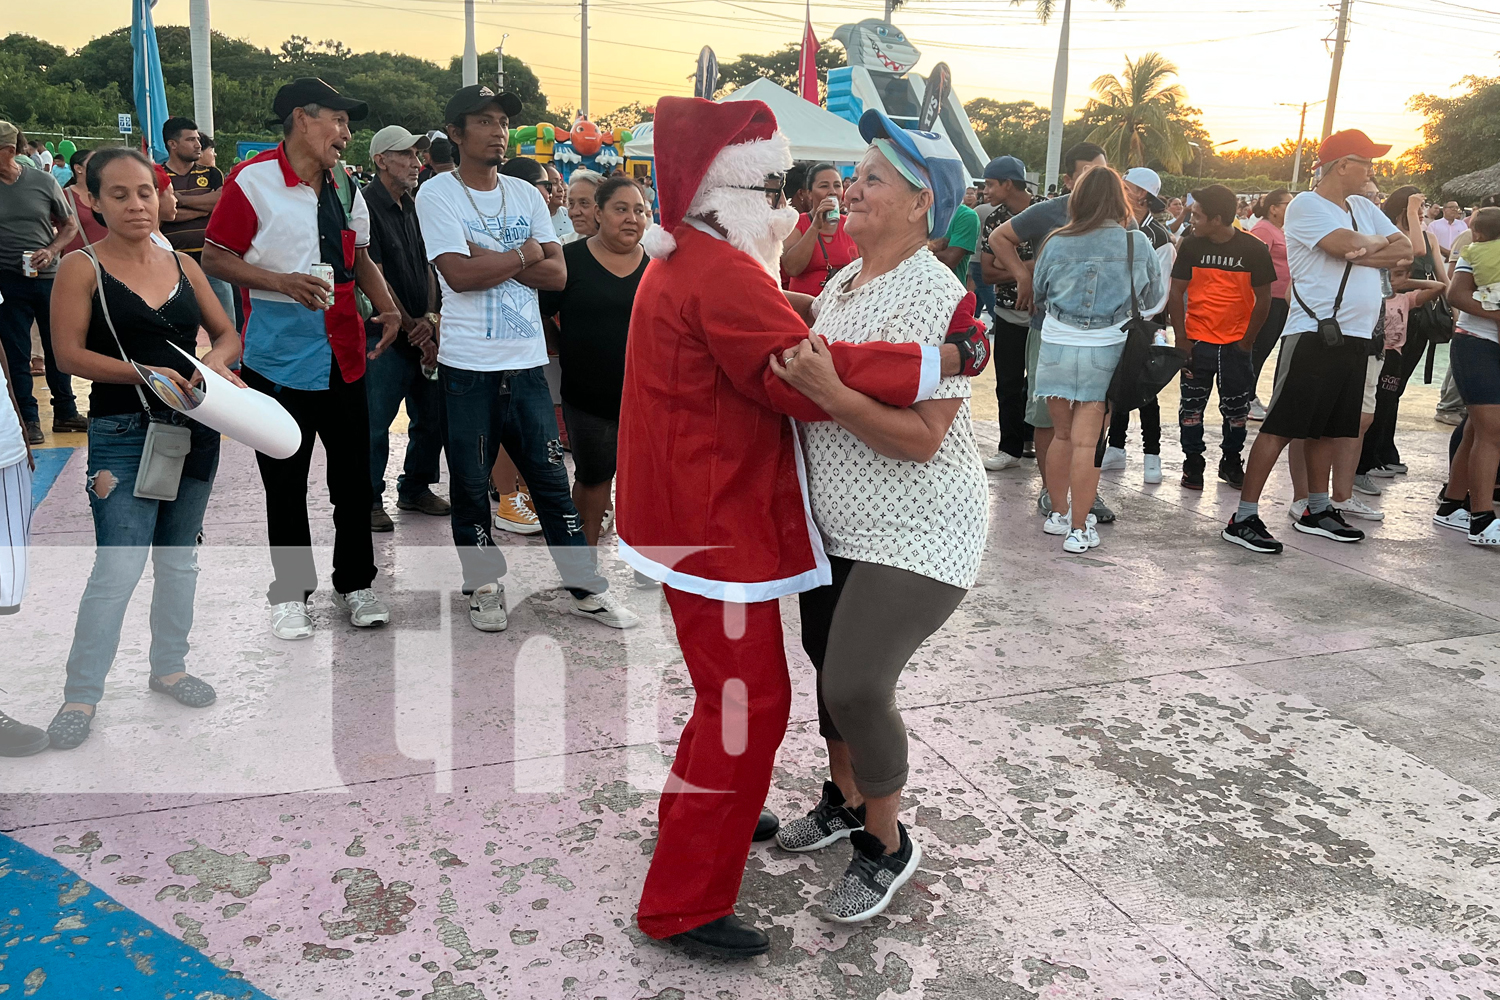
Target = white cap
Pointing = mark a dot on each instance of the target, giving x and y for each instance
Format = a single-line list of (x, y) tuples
[(395, 137), (1149, 181)]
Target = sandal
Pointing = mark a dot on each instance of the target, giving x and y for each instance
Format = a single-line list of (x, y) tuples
[(190, 691), (69, 729)]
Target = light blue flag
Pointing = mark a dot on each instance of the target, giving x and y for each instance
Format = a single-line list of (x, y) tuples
[(150, 90)]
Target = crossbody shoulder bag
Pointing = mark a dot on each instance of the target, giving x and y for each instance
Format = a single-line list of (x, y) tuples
[(167, 444), (1330, 334)]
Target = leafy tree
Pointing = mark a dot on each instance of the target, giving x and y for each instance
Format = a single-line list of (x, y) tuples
[(1461, 133), (627, 116), (1138, 116), (780, 66)]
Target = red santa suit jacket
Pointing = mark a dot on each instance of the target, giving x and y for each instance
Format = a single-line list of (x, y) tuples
[(712, 496)]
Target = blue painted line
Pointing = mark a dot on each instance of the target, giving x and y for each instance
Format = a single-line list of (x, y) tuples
[(49, 465), (61, 937)]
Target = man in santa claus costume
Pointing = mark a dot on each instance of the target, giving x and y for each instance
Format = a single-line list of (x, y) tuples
[(711, 497)]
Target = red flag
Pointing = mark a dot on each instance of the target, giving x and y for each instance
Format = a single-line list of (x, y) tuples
[(807, 66)]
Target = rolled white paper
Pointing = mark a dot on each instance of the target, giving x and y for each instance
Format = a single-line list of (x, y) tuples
[(249, 416)]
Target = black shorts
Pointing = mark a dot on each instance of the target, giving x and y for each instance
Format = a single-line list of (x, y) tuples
[(593, 440), (1319, 390)]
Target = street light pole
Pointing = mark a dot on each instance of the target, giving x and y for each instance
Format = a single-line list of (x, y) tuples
[(471, 56), (583, 104), (500, 63)]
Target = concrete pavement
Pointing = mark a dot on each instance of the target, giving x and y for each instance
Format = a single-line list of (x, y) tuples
[(1170, 768)]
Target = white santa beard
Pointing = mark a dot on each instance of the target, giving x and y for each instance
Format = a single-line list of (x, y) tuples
[(750, 223)]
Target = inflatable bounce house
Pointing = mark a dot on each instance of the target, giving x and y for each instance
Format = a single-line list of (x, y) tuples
[(878, 75), (582, 146)]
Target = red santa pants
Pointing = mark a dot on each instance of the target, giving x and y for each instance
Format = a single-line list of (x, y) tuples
[(719, 780)]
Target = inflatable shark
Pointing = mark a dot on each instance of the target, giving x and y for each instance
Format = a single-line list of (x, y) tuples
[(878, 75), (876, 45)]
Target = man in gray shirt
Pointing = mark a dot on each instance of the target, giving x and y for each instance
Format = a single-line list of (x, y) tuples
[(1033, 226), (33, 217)]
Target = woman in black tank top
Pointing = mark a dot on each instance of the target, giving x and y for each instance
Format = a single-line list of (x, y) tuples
[(157, 301)]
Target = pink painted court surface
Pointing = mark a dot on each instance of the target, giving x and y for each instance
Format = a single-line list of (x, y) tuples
[(1170, 768)]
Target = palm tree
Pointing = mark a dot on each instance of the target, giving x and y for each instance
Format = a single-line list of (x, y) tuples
[(1044, 10), (1135, 114)]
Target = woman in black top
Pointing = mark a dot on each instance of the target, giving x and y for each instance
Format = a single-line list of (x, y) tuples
[(592, 316), (157, 301)]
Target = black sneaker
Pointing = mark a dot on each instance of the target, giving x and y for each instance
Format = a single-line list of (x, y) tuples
[(1251, 534), (1192, 472), (872, 878), (20, 740), (829, 821), (727, 937), (427, 503), (1232, 470), (1329, 524)]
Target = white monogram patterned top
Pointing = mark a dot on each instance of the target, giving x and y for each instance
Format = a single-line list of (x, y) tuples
[(925, 517)]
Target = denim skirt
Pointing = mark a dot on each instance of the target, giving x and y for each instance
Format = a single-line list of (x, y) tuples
[(1080, 374)]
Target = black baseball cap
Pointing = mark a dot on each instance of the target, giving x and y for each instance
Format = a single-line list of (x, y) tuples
[(311, 90), (476, 98)]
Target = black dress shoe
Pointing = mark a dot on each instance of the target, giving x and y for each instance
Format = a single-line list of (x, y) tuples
[(76, 424), (727, 937), (767, 827)]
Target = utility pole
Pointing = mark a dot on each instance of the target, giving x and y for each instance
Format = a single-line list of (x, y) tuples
[(1059, 100), (500, 63), (1301, 134), (471, 55), (203, 78), (1338, 64), (583, 103), (1297, 154)]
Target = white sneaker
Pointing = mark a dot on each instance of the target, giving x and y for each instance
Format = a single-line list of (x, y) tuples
[(291, 620), (1153, 469), (1257, 410), (1297, 509), (606, 610), (1355, 507), (515, 514), (1081, 540), (1366, 485), (1000, 461), (607, 522), (487, 608), (365, 609), (1458, 520), (1489, 536), (1114, 458), (1061, 524)]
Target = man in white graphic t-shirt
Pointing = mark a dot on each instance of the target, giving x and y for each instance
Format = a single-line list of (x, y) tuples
[(493, 244)]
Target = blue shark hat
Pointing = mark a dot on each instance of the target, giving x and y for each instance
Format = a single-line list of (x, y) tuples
[(926, 159)]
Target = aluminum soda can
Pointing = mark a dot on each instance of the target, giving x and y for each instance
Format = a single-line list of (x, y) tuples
[(832, 217), (325, 273), (26, 268)]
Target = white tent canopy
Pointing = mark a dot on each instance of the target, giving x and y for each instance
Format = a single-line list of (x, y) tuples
[(815, 134)]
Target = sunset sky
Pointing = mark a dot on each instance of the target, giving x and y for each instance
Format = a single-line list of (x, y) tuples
[(1238, 64)]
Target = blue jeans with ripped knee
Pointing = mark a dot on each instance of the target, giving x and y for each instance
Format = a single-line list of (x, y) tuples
[(513, 409), (126, 530), (1234, 369)]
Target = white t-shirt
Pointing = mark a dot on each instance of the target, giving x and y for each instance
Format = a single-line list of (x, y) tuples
[(1316, 275), (924, 517), (1478, 326), (12, 441), (494, 329), (44, 159)]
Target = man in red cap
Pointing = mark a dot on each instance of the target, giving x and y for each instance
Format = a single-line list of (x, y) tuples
[(1336, 243), (711, 496)]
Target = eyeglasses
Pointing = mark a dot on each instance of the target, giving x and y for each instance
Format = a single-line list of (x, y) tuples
[(774, 188)]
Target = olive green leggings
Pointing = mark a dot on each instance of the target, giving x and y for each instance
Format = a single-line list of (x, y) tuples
[(860, 631)]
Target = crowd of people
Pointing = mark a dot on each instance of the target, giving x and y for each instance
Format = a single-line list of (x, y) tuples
[(808, 434)]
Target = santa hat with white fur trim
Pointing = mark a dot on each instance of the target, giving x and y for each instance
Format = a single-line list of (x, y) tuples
[(701, 146)]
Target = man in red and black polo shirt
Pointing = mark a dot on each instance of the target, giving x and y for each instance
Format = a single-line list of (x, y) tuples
[(281, 214)]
